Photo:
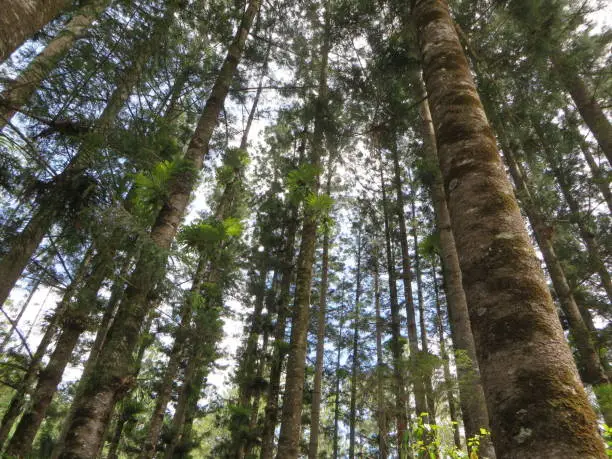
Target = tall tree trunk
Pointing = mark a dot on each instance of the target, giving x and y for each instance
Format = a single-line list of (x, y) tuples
[(111, 375), (112, 306), (427, 370), (355, 358), (26, 385), (530, 380), (315, 410), (381, 412), (448, 378), (335, 444), (471, 394), (75, 320), (401, 398), (21, 19), (176, 356), (413, 338), (590, 110), (278, 355), (19, 91), (291, 421)]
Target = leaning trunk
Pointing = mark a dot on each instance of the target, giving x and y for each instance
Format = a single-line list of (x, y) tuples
[(537, 404), (112, 373), (19, 91)]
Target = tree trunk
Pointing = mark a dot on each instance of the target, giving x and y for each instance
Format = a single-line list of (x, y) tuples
[(590, 110), (315, 410), (111, 376), (381, 412), (26, 385), (427, 371), (335, 445), (19, 91), (530, 380), (176, 356), (21, 19), (401, 398), (278, 355), (355, 358), (448, 379), (471, 395), (413, 338), (291, 421)]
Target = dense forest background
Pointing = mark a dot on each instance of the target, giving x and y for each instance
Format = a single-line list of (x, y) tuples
[(334, 228)]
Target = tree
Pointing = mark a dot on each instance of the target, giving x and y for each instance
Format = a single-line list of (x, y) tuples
[(476, 184)]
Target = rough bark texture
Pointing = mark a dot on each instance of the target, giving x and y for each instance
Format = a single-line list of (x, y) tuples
[(112, 374), (21, 19), (291, 421), (315, 410), (537, 404), (590, 110), (20, 90), (471, 395)]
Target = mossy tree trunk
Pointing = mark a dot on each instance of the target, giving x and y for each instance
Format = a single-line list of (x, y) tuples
[(536, 401), (113, 372)]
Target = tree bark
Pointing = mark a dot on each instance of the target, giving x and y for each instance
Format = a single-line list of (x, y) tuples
[(530, 380), (21, 19), (19, 91), (291, 420), (335, 445), (111, 376)]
